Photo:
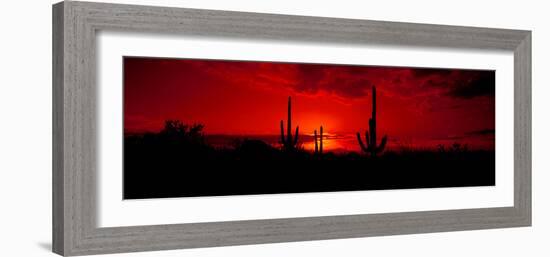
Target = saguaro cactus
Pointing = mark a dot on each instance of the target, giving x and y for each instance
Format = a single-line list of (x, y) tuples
[(370, 140), (289, 143), (318, 146)]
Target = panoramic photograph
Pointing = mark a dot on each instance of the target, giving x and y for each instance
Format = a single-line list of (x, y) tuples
[(200, 127)]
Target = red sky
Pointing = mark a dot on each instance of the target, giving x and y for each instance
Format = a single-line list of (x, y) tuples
[(415, 106)]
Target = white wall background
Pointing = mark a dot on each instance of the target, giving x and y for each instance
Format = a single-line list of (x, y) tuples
[(25, 128)]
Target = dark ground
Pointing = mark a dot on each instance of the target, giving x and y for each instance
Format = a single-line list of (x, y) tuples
[(171, 164)]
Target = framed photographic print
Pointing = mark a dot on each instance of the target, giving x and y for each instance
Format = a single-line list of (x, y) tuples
[(217, 127), (181, 128)]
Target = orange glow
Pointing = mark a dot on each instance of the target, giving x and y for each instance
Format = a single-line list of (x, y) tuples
[(333, 143)]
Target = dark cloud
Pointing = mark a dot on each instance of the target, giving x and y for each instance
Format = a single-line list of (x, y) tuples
[(457, 83), (341, 81), (353, 81), (309, 78), (480, 84), (481, 132), (427, 72)]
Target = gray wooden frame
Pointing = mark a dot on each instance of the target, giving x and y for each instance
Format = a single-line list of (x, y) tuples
[(75, 25)]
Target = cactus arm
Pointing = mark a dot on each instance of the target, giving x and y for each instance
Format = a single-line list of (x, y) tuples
[(321, 143), (382, 145), (282, 133), (361, 142), (289, 122), (372, 128), (367, 140), (296, 136), (315, 138)]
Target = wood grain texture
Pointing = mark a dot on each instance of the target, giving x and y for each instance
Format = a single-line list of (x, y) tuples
[(522, 128), (75, 25), (57, 125)]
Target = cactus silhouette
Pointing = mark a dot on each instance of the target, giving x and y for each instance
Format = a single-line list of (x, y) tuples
[(370, 140), (318, 146), (289, 143)]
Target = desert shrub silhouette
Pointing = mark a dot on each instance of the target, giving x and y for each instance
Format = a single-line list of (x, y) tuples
[(255, 150), (177, 131)]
